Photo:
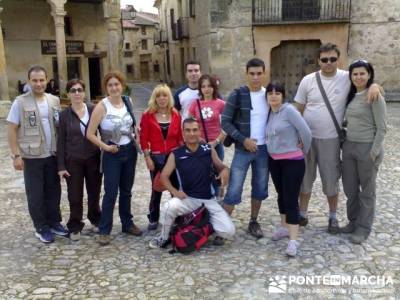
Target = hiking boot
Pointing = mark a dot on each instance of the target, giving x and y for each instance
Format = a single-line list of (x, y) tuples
[(75, 236), (134, 230), (255, 230), (219, 241), (349, 228), (158, 242), (103, 239), (45, 236), (58, 229), (280, 233), (303, 221), (333, 226), (358, 236), (152, 226), (291, 249)]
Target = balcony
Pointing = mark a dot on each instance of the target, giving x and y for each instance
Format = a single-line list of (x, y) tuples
[(300, 11), (183, 28), (160, 37), (128, 53)]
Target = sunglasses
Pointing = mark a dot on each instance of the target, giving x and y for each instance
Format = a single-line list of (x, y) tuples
[(78, 90), (360, 60), (332, 59)]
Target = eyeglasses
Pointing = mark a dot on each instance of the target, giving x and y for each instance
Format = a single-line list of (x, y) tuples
[(78, 90), (325, 60)]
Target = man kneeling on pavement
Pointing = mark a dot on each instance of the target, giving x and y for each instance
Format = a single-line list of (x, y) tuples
[(193, 162)]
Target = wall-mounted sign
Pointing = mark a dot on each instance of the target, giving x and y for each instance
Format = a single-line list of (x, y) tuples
[(73, 47)]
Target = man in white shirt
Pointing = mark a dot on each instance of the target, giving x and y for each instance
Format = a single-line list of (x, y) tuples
[(32, 123), (188, 93), (325, 148), (244, 119)]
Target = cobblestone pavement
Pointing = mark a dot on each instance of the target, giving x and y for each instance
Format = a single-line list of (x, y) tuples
[(242, 269)]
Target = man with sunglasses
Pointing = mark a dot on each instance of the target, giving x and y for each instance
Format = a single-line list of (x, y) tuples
[(32, 126), (325, 148)]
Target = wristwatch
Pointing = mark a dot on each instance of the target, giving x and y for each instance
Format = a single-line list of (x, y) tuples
[(14, 157), (218, 141)]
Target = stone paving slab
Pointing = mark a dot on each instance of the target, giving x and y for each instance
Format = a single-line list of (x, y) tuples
[(242, 269)]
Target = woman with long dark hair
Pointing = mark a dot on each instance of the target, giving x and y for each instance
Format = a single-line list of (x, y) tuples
[(362, 151), (207, 110)]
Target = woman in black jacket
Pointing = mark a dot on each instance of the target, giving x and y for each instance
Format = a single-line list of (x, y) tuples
[(78, 159)]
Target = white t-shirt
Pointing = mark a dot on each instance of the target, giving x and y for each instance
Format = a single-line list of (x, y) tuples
[(258, 116), (316, 113), (119, 121), (43, 106), (186, 98), (84, 119)]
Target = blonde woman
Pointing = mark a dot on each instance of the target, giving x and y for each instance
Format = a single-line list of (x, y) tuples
[(160, 134)]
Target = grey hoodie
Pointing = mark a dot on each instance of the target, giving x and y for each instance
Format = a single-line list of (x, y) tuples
[(285, 129)]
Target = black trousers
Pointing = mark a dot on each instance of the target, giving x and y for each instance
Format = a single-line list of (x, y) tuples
[(155, 199), (81, 171), (287, 176), (43, 191)]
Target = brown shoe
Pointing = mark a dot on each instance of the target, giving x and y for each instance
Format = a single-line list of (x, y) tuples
[(333, 226), (103, 239), (255, 229), (349, 228), (134, 230)]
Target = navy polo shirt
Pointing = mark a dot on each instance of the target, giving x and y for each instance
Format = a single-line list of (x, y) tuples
[(194, 171)]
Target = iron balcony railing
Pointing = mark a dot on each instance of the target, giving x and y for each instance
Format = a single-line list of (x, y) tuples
[(300, 11)]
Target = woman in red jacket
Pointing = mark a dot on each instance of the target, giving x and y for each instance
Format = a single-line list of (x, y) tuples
[(160, 133)]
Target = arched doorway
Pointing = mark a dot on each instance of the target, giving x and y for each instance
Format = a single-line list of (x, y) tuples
[(291, 61)]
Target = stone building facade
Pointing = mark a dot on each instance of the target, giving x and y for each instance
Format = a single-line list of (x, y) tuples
[(224, 34), (141, 57), (74, 38)]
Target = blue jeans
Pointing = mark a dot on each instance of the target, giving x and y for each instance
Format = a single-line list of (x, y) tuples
[(119, 173), (220, 152), (259, 177)]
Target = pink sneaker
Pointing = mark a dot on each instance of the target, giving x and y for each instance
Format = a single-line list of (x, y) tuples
[(280, 233)]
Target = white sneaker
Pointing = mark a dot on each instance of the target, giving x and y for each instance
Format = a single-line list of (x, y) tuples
[(75, 236), (280, 233), (158, 242), (291, 249)]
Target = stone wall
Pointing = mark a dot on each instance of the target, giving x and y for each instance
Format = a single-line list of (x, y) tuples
[(28, 22), (231, 41), (375, 36)]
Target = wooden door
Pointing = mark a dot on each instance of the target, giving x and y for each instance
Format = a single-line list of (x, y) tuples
[(291, 61), (144, 70)]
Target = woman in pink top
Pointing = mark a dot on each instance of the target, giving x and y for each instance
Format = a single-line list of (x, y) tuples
[(211, 108)]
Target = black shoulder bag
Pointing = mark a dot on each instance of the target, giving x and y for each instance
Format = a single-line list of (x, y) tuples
[(214, 173), (340, 131), (129, 108)]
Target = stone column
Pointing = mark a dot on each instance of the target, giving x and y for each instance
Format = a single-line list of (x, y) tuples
[(112, 14), (58, 13), (4, 95)]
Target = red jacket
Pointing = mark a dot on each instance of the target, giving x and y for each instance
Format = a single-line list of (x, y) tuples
[(151, 135)]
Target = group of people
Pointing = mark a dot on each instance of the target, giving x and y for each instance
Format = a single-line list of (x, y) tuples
[(182, 139)]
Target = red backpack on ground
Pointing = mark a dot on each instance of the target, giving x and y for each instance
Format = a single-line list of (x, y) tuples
[(191, 231)]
